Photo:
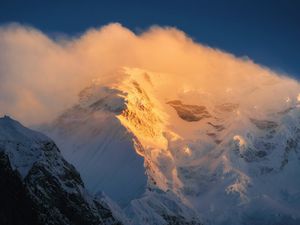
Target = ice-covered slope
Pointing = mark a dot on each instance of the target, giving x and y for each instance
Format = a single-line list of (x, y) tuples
[(101, 148), (211, 153), (39, 187)]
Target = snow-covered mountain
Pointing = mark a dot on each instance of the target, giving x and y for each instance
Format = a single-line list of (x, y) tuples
[(100, 147), (172, 152), (38, 187)]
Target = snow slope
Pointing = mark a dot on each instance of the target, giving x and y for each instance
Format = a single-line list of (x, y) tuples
[(210, 154), (15, 141), (93, 139)]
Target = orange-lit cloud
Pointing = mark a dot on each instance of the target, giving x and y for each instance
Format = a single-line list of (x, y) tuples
[(40, 76)]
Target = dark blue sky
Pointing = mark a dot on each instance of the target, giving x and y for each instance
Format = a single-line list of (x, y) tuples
[(267, 31)]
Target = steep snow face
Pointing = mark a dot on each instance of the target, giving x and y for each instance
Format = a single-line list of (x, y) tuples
[(101, 148), (209, 152), (105, 136)]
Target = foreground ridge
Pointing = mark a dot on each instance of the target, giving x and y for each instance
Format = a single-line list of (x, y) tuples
[(38, 187)]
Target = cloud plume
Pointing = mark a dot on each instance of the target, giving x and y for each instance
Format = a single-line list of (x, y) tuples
[(40, 76)]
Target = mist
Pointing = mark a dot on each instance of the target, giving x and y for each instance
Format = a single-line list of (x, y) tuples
[(41, 76)]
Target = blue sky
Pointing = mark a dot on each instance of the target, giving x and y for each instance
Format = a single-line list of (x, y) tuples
[(266, 31)]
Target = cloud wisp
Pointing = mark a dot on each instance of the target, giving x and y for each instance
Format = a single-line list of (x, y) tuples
[(39, 76)]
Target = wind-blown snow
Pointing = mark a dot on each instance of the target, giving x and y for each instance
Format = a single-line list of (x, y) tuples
[(214, 134), (215, 159)]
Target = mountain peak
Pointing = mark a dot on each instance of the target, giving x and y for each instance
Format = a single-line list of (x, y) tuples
[(7, 119), (12, 130), (211, 147)]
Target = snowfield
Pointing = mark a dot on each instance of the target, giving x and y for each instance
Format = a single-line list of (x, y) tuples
[(168, 152)]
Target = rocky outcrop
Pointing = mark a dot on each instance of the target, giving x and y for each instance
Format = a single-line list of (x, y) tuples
[(190, 113), (38, 186)]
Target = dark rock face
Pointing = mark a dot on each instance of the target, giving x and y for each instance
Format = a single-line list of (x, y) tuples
[(264, 124), (50, 193), (292, 144), (190, 113), (178, 220), (16, 207), (42, 199), (228, 107), (217, 127), (253, 155)]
